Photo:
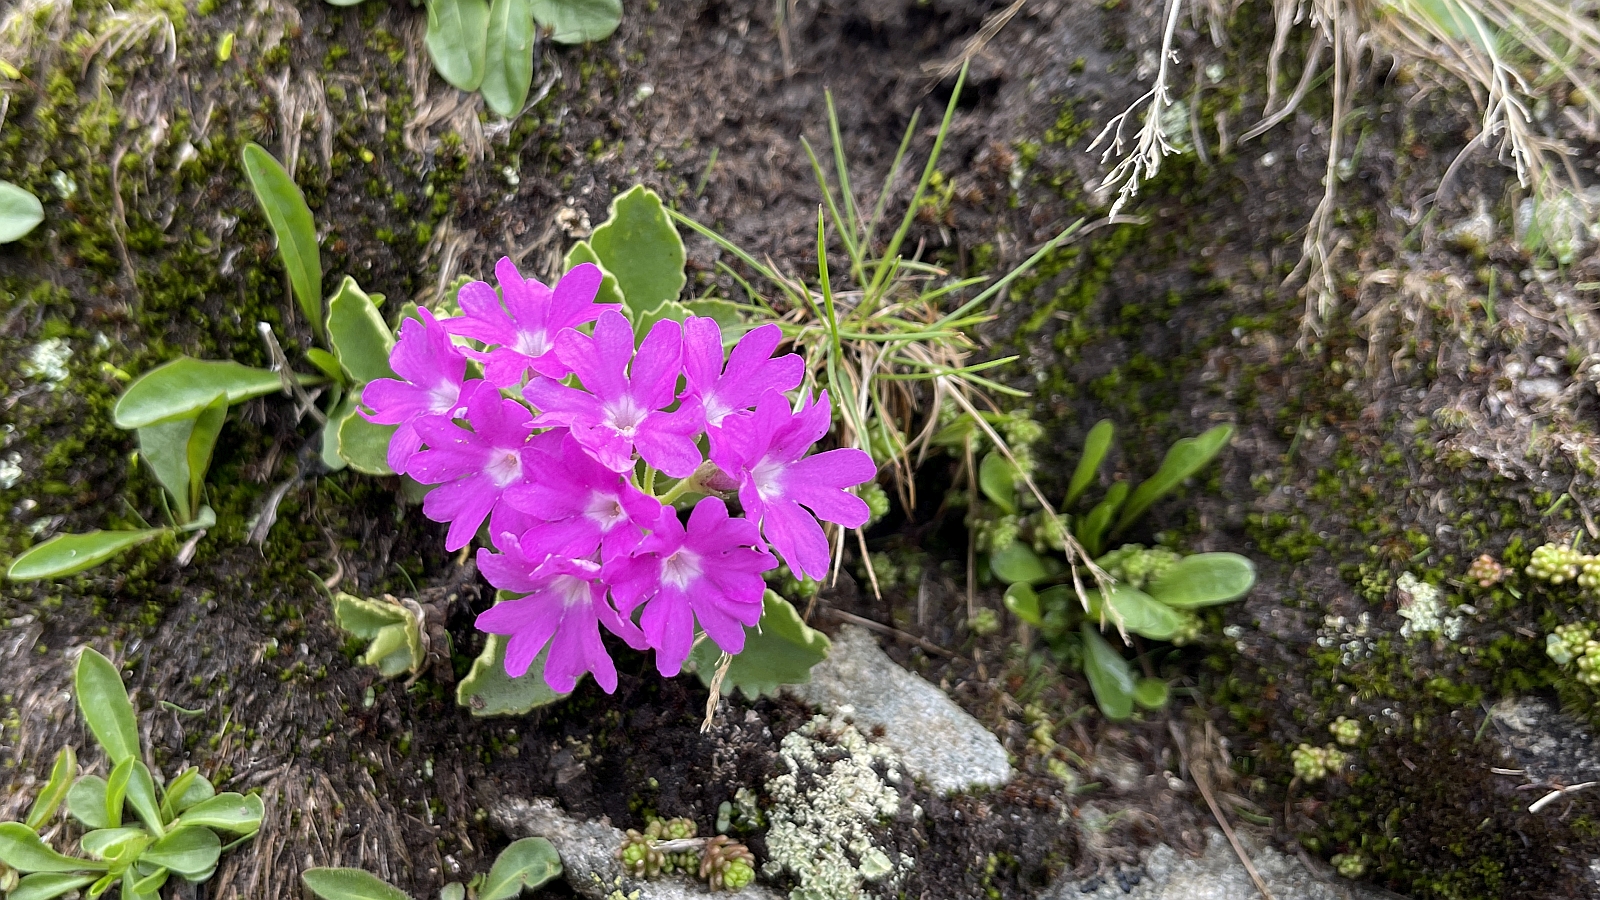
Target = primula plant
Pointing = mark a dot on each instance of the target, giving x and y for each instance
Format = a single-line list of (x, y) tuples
[(180, 825), (1152, 592), (598, 464), (178, 409)]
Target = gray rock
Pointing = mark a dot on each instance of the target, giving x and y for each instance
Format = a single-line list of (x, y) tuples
[(1549, 744), (588, 855), (1473, 234), (935, 739), (1216, 875)]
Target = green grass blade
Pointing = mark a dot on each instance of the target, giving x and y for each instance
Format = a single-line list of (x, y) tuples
[(852, 218), (888, 182), (1014, 274), (841, 224), (893, 250)]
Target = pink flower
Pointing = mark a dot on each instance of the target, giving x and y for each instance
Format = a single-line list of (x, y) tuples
[(765, 453), (581, 505), (710, 571), (564, 606), (622, 405), (473, 469), (521, 334), (431, 370), (751, 371)]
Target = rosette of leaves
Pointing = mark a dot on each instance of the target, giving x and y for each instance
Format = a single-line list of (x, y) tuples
[(1152, 593), (394, 630), (525, 865), (177, 410), (140, 834), (487, 45)]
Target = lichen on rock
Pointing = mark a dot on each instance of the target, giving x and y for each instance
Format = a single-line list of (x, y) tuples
[(838, 788)]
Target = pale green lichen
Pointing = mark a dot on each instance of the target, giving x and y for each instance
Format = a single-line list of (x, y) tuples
[(838, 788)]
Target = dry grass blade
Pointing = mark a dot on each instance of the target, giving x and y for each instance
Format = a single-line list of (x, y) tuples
[(974, 45), (1144, 162)]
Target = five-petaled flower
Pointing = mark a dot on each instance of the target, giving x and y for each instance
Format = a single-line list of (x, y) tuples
[(622, 406), (710, 571), (474, 469), (581, 505), (765, 453), (751, 371), (564, 605), (521, 334)]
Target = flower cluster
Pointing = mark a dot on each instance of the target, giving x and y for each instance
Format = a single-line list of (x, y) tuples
[(558, 447)]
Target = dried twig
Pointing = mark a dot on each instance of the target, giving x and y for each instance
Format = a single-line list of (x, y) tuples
[(891, 631)]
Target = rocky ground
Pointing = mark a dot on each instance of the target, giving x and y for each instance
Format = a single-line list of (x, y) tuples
[(1443, 410)]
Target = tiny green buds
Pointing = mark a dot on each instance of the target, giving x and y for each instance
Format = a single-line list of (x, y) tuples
[(726, 864), (1346, 731), (639, 857), (1555, 564), (1312, 764)]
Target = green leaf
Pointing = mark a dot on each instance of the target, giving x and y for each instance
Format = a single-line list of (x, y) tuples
[(727, 316), (582, 253), (149, 885), (1137, 612), (395, 649), (508, 61), (291, 222), (639, 245), (55, 790), (578, 21), (329, 433), (20, 212), (230, 812), (69, 554), (1110, 677), (1204, 579), (104, 703), (187, 851), (87, 802), (202, 441), (1016, 562), (526, 864), (360, 338), (1095, 447), (1091, 533), (110, 843), (173, 790), (117, 791), (1150, 693), (164, 448), (365, 445), (1023, 603), (489, 691), (997, 477), (142, 797), (199, 791), (102, 885), (1187, 456), (457, 39), (25, 851), (326, 363), (186, 386), (365, 618), (47, 886), (349, 884), (780, 650)]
